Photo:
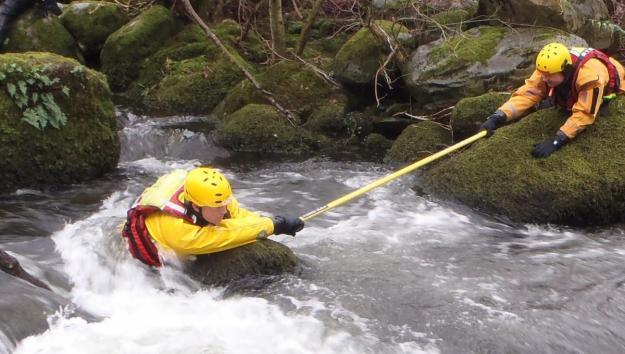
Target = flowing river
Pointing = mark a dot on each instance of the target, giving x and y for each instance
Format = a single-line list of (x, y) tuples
[(395, 271)]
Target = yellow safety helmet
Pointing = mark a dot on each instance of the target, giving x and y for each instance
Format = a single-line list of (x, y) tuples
[(207, 187), (553, 58)]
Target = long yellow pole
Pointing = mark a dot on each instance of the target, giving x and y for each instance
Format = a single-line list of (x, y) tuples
[(346, 198)]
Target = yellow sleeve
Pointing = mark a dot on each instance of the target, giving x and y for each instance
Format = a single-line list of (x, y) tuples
[(591, 80), (525, 97), (187, 239)]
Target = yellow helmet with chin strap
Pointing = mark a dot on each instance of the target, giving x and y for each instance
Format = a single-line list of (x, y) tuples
[(553, 58), (207, 187)]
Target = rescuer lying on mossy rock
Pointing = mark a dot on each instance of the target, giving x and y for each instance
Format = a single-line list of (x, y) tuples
[(195, 213), (577, 79)]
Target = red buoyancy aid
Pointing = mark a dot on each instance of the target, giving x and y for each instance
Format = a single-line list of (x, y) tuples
[(580, 57), (159, 197)]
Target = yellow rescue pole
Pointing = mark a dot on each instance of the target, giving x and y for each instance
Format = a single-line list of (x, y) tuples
[(346, 198)]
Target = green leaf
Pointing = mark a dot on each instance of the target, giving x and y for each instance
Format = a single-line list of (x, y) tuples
[(45, 80), (21, 101), (30, 81), (23, 87), (11, 88), (35, 97), (35, 118), (65, 90), (2, 76)]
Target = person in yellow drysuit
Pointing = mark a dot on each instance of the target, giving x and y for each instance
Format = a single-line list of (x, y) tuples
[(576, 79), (195, 213)]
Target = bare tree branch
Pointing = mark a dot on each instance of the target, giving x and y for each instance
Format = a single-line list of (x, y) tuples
[(303, 38)]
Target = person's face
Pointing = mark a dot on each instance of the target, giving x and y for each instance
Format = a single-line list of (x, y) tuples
[(552, 80), (212, 215)]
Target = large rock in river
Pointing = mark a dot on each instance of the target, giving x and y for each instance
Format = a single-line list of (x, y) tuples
[(31, 32), (581, 184), (261, 258), (479, 59), (58, 122)]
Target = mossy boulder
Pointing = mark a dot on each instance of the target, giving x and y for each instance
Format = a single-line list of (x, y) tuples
[(477, 60), (377, 145), (358, 60), (125, 49), (294, 85), (91, 22), (581, 184), (469, 113), (259, 259), (329, 119), (566, 15), (261, 128), (418, 141), (86, 146), (189, 74), (31, 32)]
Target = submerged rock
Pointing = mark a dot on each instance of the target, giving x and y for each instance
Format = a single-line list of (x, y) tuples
[(33, 33), (478, 59), (54, 91), (418, 141), (581, 184), (261, 258)]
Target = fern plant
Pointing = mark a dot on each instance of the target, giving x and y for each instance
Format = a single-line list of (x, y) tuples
[(33, 92)]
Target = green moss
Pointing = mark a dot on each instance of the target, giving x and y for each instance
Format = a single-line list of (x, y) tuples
[(294, 85), (360, 57), (86, 146), (452, 16), (418, 141), (261, 128), (470, 113), (264, 257), (377, 145), (329, 119), (581, 184), (33, 33), (469, 47), (194, 85), (125, 50), (91, 22)]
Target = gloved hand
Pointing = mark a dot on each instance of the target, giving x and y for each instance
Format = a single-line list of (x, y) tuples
[(287, 225), (548, 146), (493, 122)]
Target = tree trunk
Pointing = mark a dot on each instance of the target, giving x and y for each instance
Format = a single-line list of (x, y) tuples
[(303, 37), (278, 33)]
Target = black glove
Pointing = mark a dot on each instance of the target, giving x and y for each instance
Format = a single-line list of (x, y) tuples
[(493, 122), (548, 146), (287, 225)]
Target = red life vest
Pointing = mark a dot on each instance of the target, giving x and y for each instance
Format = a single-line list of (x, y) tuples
[(579, 59), (140, 242)]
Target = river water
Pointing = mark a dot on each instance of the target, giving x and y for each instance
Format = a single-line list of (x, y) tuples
[(393, 272)]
